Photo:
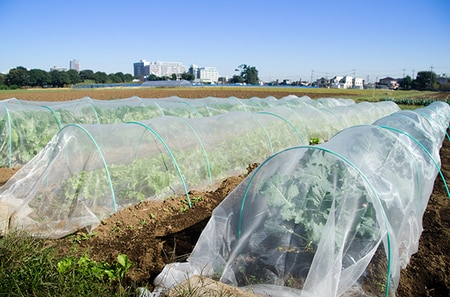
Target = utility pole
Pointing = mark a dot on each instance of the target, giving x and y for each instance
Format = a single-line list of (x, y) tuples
[(431, 77)]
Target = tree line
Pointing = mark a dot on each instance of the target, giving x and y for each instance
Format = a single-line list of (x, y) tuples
[(425, 80), (21, 77)]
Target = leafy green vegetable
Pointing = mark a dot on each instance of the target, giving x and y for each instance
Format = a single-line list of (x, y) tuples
[(321, 183)]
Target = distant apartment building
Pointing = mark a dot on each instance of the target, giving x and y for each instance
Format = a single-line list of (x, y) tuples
[(162, 68), (141, 69), (57, 68), (209, 74), (144, 68), (205, 74), (75, 65)]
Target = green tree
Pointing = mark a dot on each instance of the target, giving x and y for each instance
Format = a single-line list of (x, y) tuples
[(17, 77), (406, 83), (39, 78), (128, 77), (74, 77), (249, 74), (115, 79), (425, 80), (59, 78), (101, 77), (187, 76), (21, 77), (86, 75), (236, 79), (119, 77), (153, 77)]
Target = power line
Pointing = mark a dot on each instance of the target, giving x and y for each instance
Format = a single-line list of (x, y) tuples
[(396, 73)]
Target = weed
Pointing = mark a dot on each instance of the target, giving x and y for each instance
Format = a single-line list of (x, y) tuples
[(86, 267), (196, 199), (80, 237), (29, 267), (314, 140), (115, 229)]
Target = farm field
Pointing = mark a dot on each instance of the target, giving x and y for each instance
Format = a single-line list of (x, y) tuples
[(153, 234), (220, 92)]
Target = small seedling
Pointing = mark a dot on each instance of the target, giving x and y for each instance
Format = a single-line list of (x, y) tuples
[(80, 237)]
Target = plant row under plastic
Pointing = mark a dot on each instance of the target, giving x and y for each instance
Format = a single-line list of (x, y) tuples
[(87, 172), (27, 126), (338, 219)]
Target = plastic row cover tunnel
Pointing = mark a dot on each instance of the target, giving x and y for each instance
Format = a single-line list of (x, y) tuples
[(88, 172), (27, 126), (337, 219)]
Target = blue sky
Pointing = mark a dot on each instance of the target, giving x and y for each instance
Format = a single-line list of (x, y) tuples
[(290, 39)]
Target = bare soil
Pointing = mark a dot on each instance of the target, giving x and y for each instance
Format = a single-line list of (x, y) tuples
[(153, 234), (197, 92)]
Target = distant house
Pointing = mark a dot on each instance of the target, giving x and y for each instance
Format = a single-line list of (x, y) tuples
[(341, 82), (334, 82), (323, 82), (442, 79), (389, 82), (358, 83), (286, 82)]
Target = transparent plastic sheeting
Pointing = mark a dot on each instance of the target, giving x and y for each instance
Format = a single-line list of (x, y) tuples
[(87, 172), (27, 126), (312, 220)]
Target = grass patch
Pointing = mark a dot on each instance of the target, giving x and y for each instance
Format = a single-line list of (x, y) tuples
[(28, 267)]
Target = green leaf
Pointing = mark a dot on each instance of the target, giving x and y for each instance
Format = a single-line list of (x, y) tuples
[(64, 265), (122, 259)]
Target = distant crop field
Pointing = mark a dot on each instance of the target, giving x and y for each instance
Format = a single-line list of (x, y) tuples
[(202, 92)]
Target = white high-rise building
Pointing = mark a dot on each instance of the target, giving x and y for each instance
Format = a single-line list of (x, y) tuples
[(205, 74), (75, 65), (208, 75), (162, 68)]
